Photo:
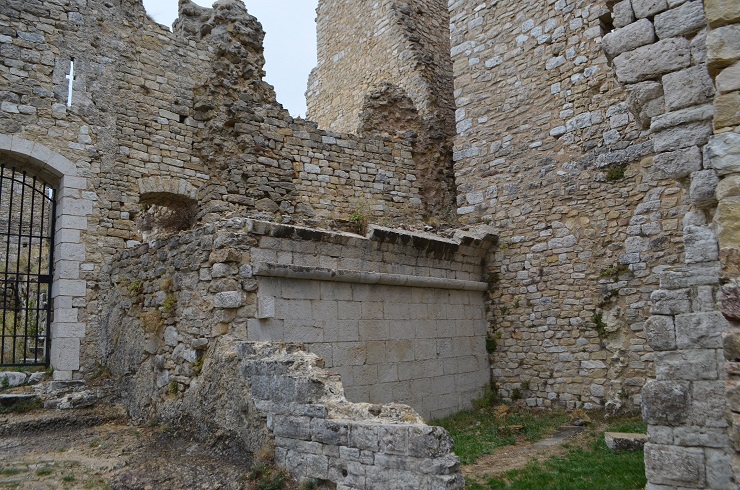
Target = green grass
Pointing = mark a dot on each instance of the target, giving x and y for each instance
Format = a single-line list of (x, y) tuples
[(479, 432), (593, 467)]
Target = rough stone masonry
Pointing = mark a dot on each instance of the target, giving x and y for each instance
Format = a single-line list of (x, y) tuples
[(589, 151)]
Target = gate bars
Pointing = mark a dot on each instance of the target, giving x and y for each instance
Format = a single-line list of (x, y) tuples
[(27, 212)]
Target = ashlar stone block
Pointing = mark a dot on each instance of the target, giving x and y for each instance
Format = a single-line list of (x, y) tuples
[(622, 13), (700, 330), (660, 332), (722, 153), (722, 12), (680, 21), (701, 244), (692, 86), (703, 188), (666, 403), (728, 80), (689, 365), (648, 8), (723, 46), (628, 38), (727, 110), (677, 164), (728, 219), (649, 62), (673, 465)]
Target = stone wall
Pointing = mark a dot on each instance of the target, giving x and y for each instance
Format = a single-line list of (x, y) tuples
[(655, 49), (723, 155), (400, 316), (167, 120), (392, 76), (276, 398), (402, 43), (549, 154)]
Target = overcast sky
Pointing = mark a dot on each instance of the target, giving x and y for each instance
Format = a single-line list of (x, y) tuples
[(290, 43)]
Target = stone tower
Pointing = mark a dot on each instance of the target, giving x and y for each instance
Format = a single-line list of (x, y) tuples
[(385, 67)]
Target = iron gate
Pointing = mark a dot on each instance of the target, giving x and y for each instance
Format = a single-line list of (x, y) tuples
[(27, 210)]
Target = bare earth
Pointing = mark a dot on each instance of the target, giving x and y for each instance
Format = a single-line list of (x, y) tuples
[(518, 456), (98, 448)]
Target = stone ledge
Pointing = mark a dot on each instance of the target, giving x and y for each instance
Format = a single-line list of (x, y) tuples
[(625, 441), (269, 269)]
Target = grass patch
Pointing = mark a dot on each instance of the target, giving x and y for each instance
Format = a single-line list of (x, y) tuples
[(266, 477), (11, 471), (479, 432), (580, 468)]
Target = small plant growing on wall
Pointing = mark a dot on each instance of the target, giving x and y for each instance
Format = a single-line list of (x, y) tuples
[(616, 173), (599, 324), (491, 344), (359, 221), (169, 304), (135, 288), (151, 321)]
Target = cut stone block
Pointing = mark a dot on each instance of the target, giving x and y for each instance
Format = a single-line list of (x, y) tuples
[(628, 38), (722, 12), (648, 8), (723, 46), (625, 441), (689, 87), (651, 61), (685, 19)]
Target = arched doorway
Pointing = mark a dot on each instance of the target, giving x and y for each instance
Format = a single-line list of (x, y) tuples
[(27, 211), (68, 294)]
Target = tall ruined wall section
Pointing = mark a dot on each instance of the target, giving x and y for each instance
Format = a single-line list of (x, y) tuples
[(384, 68), (549, 153), (178, 120), (364, 43), (693, 398)]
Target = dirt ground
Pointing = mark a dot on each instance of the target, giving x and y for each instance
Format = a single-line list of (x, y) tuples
[(514, 457), (97, 448)]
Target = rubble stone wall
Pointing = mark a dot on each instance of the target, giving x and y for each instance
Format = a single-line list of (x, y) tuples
[(166, 119), (549, 154), (277, 398), (399, 316)]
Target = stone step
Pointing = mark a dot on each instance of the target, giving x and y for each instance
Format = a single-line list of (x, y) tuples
[(625, 441), (20, 401)]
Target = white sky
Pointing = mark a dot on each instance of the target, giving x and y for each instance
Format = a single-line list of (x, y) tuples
[(290, 43)]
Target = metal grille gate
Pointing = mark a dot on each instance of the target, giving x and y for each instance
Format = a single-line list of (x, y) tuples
[(27, 210)]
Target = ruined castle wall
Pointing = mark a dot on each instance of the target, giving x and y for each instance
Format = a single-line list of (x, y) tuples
[(162, 118), (399, 316), (549, 153), (402, 43), (690, 403), (275, 399)]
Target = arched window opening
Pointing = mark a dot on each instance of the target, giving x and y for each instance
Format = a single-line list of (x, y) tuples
[(161, 221), (27, 211)]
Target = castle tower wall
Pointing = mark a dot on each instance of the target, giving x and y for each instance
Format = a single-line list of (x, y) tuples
[(364, 43)]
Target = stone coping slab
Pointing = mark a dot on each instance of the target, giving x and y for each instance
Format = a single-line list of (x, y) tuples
[(269, 269)]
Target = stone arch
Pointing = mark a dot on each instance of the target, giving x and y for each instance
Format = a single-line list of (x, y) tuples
[(169, 204), (69, 289), (163, 191)]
